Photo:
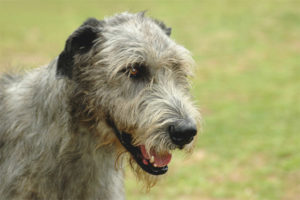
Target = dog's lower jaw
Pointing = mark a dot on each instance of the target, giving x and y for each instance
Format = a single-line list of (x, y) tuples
[(152, 164)]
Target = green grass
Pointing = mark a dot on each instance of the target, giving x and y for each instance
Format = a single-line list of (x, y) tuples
[(247, 85)]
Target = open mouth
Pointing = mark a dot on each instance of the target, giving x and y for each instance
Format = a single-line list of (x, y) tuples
[(153, 162)]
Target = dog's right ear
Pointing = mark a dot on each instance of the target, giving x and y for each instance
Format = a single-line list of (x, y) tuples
[(80, 42)]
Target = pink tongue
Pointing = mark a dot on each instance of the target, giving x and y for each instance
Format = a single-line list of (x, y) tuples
[(159, 160)]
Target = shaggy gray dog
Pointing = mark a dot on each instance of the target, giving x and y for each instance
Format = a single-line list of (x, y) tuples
[(118, 91)]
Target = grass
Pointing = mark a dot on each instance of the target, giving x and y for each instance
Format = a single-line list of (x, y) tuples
[(247, 85)]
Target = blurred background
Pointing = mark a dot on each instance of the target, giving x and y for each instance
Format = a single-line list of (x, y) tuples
[(247, 85)]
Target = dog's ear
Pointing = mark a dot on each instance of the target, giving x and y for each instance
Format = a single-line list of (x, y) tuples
[(162, 25), (80, 42), (93, 22)]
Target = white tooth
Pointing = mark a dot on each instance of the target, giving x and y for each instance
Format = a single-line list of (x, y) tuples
[(155, 165), (152, 159)]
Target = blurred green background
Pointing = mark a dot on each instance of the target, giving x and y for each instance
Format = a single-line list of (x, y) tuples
[(247, 85)]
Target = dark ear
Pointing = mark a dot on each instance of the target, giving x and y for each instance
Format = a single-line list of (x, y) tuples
[(80, 42), (93, 22), (162, 25)]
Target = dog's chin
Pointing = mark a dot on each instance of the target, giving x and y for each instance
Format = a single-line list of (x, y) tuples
[(154, 163)]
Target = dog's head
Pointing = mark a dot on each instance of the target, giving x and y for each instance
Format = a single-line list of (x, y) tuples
[(130, 75)]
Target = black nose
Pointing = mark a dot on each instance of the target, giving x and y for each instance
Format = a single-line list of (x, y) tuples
[(182, 133)]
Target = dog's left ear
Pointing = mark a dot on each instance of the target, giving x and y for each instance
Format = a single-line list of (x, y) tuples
[(162, 25), (80, 42)]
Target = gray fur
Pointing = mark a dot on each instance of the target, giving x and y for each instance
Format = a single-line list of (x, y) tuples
[(54, 140)]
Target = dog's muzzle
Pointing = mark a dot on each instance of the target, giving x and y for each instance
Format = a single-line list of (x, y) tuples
[(152, 162)]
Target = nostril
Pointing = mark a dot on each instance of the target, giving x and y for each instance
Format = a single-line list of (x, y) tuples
[(182, 133)]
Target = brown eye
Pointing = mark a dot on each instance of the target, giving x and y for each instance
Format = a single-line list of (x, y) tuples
[(136, 71), (133, 71)]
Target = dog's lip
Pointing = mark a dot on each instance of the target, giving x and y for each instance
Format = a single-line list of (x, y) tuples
[(145, 162), (136, 152), (141, 160), (157, 160)]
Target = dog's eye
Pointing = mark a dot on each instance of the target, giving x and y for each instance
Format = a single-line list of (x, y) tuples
[(133, 71), (136, 71)]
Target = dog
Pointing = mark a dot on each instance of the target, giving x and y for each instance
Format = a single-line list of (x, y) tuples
[(119, 91)]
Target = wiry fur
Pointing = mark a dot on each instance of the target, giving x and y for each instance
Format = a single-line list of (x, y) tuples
[(54, 139)]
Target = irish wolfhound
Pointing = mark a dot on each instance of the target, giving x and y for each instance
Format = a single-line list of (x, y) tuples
[(119, 90)]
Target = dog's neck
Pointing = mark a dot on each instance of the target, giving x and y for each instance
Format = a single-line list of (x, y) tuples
[(70, 152)]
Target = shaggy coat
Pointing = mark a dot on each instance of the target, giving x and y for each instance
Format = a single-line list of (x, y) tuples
[(58, 123)]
